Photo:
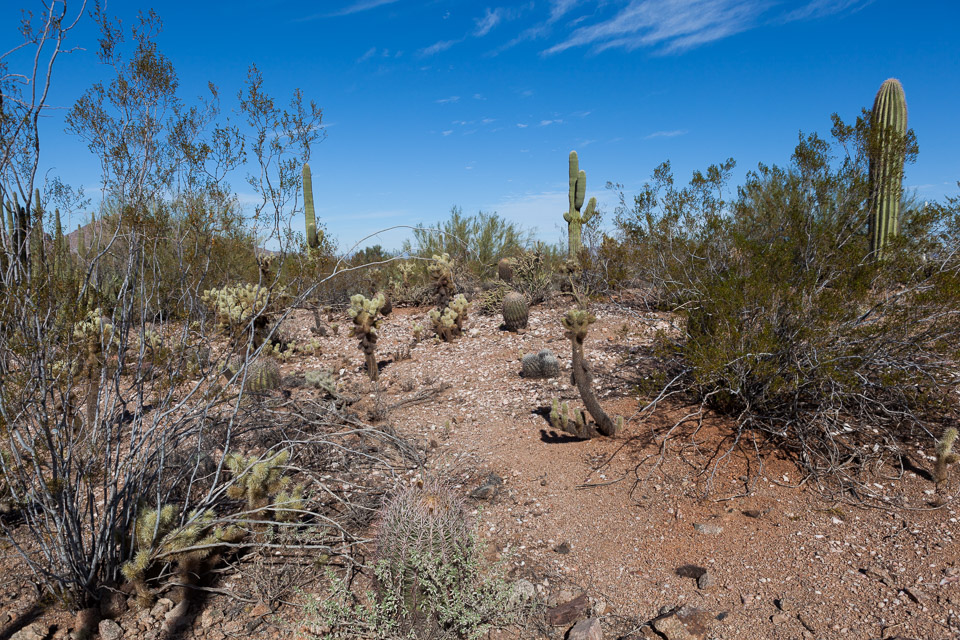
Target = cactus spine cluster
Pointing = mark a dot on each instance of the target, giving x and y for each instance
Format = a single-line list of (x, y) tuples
[(261, 483), (945, 456), (365, 314), (576, 220), (576, 324), (441, 272), (449, 323), (888, 127), (423, 539), (313, 241), (540, 365), (516, 311)]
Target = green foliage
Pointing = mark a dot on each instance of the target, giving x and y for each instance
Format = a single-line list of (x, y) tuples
[(576, 220), (888, 126), (476, 243), (785, 323)]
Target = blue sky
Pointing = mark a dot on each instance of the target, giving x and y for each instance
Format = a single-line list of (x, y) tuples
[(442, 102)]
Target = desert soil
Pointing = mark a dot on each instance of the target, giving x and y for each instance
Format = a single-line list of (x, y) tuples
[(623, 520)]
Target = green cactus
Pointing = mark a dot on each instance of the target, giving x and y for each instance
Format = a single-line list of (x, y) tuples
[(576, 220), (540, 365), (365, 314), (888, 126), (516, 311), (576, 323), (261, 483), (156, 538), (945, 456), (323, 380), (313, 240), (505, 269)]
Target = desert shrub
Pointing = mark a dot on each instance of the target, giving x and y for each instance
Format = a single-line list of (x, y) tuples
[(790, 326), (429, 579), (476, 243)]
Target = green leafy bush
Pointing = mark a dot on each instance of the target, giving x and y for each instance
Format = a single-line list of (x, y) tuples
[(790, 326)]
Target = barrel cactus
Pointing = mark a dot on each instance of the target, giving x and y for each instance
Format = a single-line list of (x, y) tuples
[(505, 269), (423, 549), (540, 365), (262, 375), (516, 311), (888, 126), (575, 219)]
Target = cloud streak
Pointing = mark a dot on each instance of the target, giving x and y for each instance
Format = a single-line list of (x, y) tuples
[(667, 134), (675, 26), (362, 5)]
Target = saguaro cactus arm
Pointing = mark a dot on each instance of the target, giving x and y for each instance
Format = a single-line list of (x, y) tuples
[(311, 217), (888, 127), (575, 220)]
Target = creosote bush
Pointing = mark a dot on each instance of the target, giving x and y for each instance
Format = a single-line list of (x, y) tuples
[(787, 323)]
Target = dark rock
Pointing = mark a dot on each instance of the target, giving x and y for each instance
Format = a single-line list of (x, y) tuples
[(568, 612), (489, 489), (562, 548)]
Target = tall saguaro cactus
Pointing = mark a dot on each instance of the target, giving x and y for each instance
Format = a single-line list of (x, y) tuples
[(888, 126), (312, 241), (576, 220)]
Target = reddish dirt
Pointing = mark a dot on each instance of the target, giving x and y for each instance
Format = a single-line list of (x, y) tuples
[(612, 519)]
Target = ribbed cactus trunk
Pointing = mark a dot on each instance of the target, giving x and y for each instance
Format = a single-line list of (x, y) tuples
[(888, 130), (576, 220), (311, 217)]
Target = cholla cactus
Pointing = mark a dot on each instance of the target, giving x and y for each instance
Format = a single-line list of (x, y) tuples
[(945, 455), (365, 321), (449, 323), (540, 365), (260, 481), (423, 541), (441, 272), (94, 334), (516, 311), (323, 380), (156, 536), (576, 323), (235, 306), (505, 269)]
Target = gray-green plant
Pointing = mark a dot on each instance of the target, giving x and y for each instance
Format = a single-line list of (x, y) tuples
[(575, 219), (429, 576), (441, 274), (448, 324), (540, 365), (323, 380), (260, 481), (888, 132)]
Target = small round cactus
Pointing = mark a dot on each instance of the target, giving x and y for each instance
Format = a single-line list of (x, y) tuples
[(540, 365), (516, 311), (262, 375)]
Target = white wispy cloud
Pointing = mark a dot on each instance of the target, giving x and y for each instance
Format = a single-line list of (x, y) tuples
[(667, 134), (559, 8), (437, 47), (489, 20), (544, 123), (674, 26), (522, 125), (448, 100), (372, 51), (361, 5), (447, 132)]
